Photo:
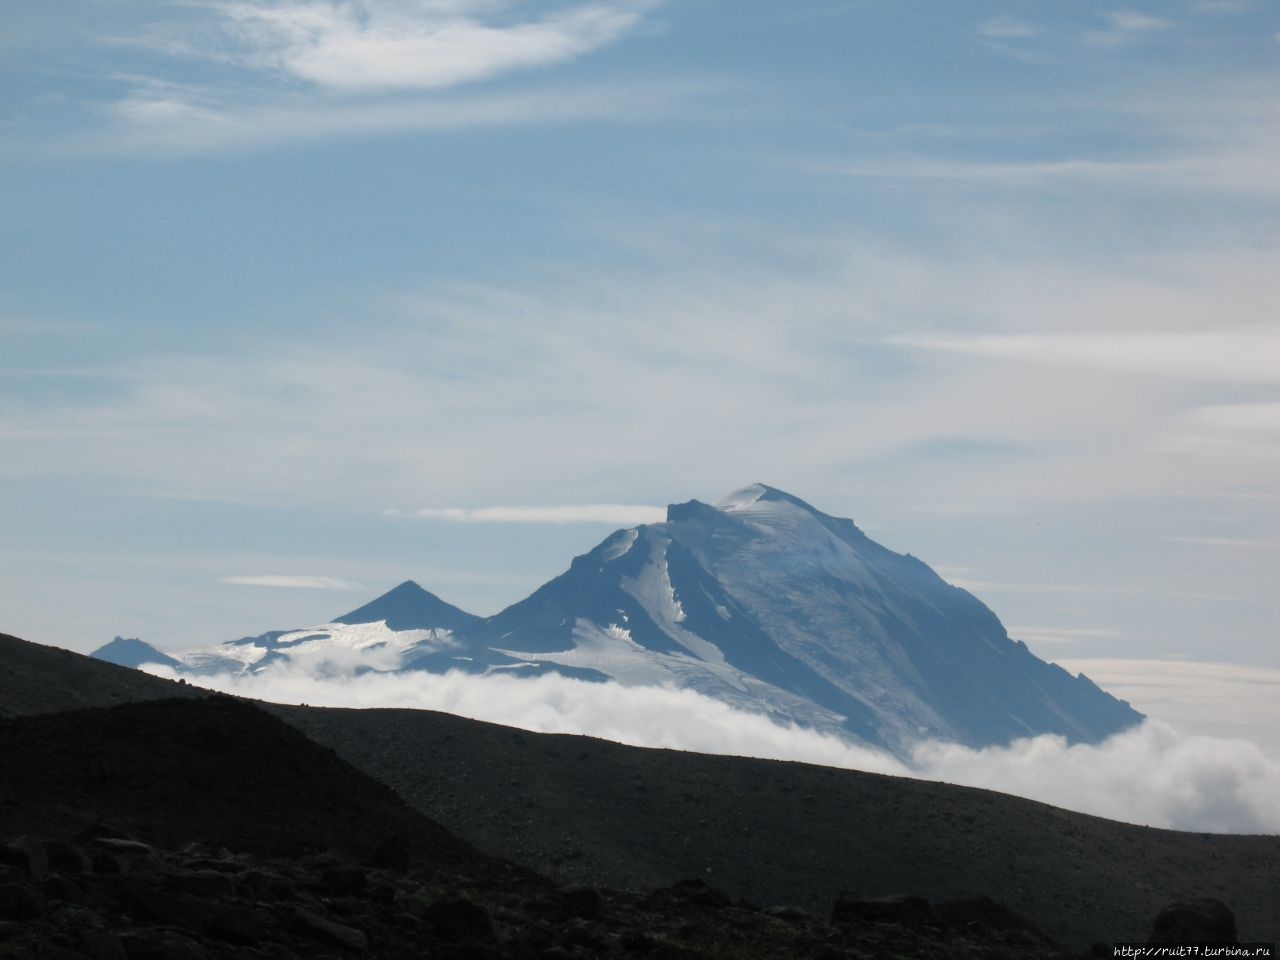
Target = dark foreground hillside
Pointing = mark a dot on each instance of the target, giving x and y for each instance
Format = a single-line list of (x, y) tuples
[(592, 811), (263, 801), (191, 829)]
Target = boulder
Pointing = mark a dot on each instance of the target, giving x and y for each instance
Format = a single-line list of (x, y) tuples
[(311, 924), (20, 902), (65, 857), (1195, 922), (27, 855), (457, 918), (907, 910), (980, 916)]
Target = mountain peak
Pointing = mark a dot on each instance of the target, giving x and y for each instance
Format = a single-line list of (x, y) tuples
[(410, 607), (132, 652)]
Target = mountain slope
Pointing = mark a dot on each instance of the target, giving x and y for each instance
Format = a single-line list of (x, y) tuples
[(595, 812), (770, 605)]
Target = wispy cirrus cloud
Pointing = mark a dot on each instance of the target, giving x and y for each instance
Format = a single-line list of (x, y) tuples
[(367, 45), (610, 513), (195, 122), (1125, 26), (1224, 169), (291, 582), (1035, 635), (1232, 543), (235, 74), (1249, 430), (1237, 356), (1007, 28), (1221, 8)]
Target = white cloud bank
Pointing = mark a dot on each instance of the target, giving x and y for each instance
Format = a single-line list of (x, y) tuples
[(1150, 775)]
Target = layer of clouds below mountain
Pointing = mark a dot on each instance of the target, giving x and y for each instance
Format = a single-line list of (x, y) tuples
[(1150, 775)]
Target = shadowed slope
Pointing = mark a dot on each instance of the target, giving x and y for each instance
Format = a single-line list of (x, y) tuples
[(217, 768), (598, 812)]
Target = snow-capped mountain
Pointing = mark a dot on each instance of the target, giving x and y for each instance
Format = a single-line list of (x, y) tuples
[(760, 601), (770, 605), (406, 620)]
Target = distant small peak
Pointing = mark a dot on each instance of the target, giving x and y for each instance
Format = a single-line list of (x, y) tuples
[(689, 510), (409, 607), (132, 652)]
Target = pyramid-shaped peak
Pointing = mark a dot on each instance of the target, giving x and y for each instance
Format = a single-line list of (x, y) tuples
[(132, 652), (410, 607)]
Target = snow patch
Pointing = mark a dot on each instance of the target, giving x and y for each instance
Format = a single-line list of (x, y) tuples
[(373, 646), (742, 498), (622, 546)]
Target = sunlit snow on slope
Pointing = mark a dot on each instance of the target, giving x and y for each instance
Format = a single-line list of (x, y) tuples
[(340, 646)]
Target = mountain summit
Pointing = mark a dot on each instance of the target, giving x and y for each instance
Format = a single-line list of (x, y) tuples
[(760, 601), (770, 605)]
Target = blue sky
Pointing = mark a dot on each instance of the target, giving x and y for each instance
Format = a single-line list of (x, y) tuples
[(283, 281)]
